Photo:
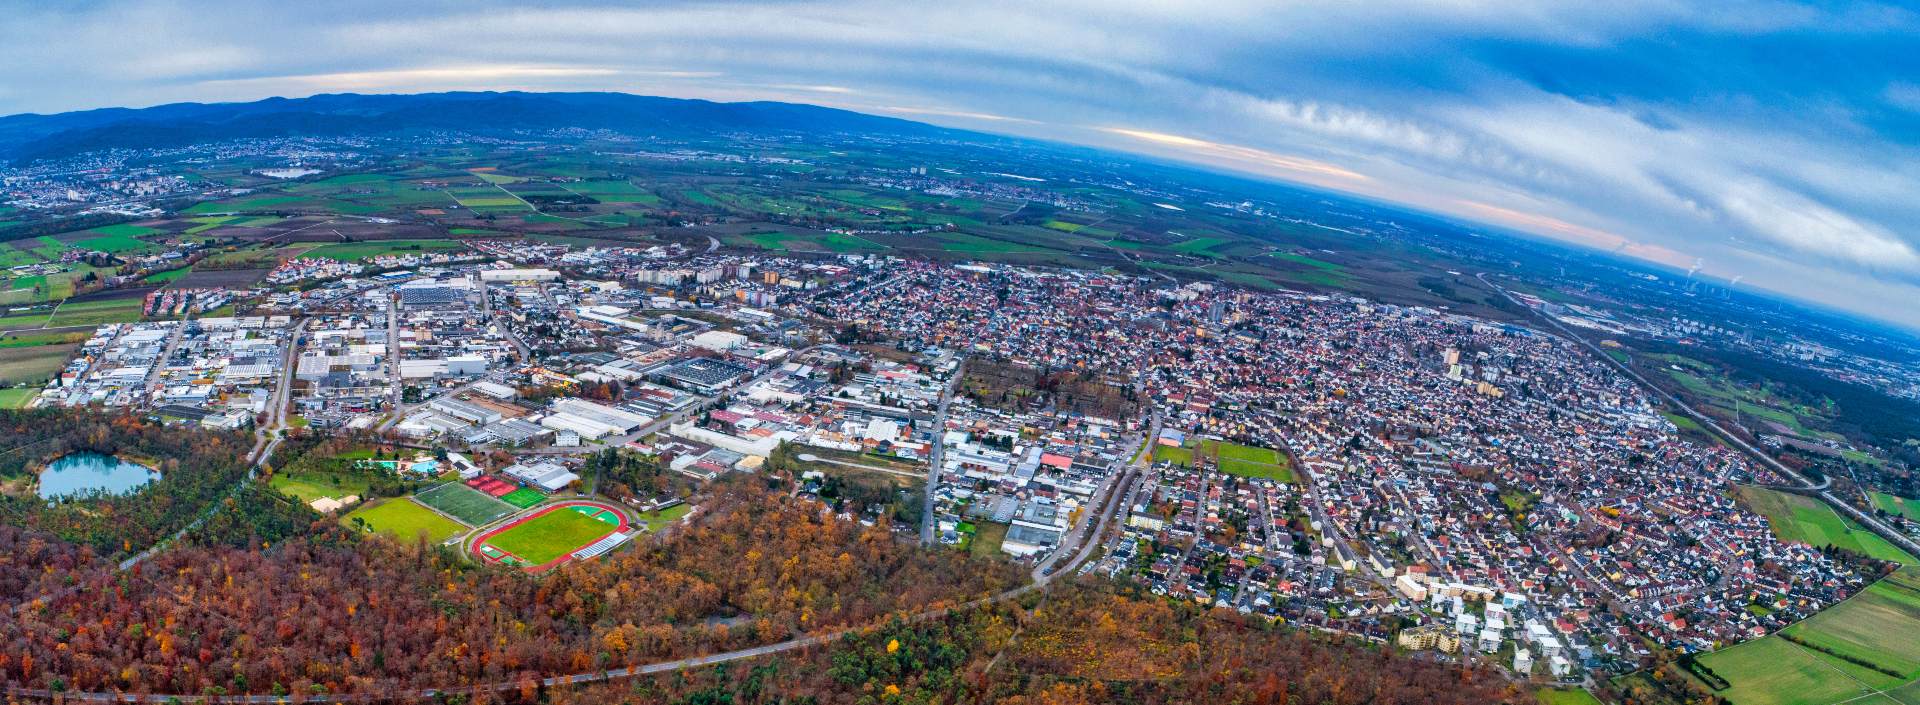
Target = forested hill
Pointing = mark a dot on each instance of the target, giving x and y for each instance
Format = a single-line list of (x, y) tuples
[(28, 137)]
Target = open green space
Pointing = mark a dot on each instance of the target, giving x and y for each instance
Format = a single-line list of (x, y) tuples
[(128, 230), (95, 313), (356, 251), (115, 244), (657, 520), (312, 485), (1909, 508), (550, 535), (464, 503), (167, 276), (402, 519), (17, 397), (987, 537), (34, 365), (1233, 459), (1567, 696), (1809, 521), (1874, 626)]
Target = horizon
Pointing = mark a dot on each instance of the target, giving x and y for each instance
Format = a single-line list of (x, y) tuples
[(1672, 134)]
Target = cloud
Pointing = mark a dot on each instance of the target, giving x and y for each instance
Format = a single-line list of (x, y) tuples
[(1748, 133)]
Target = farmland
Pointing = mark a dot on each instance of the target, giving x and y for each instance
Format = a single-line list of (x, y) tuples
[(356, 251), (34, 365), (1809, 521), (1868, 628)]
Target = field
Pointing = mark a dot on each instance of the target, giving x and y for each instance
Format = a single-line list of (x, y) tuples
[(309, 486), (1807, 520), (657, 520), (546, 538), (1874, 626), (97, 312), (34, 365), (1909, 508), (1234, 459), (356, 251), (464, 503), (1567, 696), (987, 537), (18, 397), (402, 519), (523, 497)]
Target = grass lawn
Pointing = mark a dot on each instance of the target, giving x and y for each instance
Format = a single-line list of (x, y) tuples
[(1809, 521), (987, 538), (1567, 696), (309, 486), (1173, 454), (551, 535), (1235, 459), (18, 397), (655, 521), (402, 519)]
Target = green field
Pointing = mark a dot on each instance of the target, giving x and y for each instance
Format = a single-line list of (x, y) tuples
[(94, 313), (1807, 520), (523, 497), (987, 538), (1566, 696), (167, 276), (656, 521), (402, 519), (309, 486), (464, 503), (17, 397), (551, 535), (1876, 626), (1909, 508), (356, 251), (1234, 459), (34, 365)]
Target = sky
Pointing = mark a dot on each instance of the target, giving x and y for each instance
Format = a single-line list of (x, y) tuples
[(1775, 142)]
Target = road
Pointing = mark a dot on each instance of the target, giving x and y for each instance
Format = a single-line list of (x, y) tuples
[(1808, 487), (934, 451), (266, 438)]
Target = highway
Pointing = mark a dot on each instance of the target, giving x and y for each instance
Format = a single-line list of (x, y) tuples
[(1806, 486)]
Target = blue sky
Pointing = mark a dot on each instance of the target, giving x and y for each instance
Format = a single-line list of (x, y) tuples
[(1778, 142)]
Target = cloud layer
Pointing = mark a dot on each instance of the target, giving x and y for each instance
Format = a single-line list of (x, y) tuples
[(1772, 140)]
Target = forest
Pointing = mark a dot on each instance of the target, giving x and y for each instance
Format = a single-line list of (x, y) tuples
[(197, 468), (327, 611), (1088, 641)]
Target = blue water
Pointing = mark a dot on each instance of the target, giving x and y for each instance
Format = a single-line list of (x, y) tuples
[(83, 472)]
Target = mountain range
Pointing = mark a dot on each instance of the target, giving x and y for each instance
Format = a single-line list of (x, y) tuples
[(29, 137)]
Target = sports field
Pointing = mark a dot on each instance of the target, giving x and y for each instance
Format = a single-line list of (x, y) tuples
[(402, 519), (523, 497), (1875, 626), (1234, 459), (464, 503), (551, 536)]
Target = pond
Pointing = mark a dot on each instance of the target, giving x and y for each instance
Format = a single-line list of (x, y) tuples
[(83, 472)]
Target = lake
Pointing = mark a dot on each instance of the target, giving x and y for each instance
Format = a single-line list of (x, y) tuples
[(78, 473)]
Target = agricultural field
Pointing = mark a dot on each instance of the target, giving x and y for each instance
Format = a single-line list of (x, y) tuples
[(1811, 522), (1903, 506), (402, 519), (1872, 627), (34, 365), (357, 251), (96, 312), (464, 503)]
